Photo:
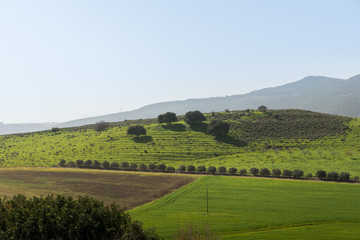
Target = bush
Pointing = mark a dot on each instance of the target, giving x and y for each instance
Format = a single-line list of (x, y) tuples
[(218, 128), (161, 167), (114, 165), (287, 173), (62, 163), (168, 117), (152, 167), (133, 166), (190, 168), (298, 173), (276, 172), (232, 170), (182, 168), (333, 176), (242, 171), (194, 118), (136, 130), (344, 177), (105, 164), (63, 217), (309, 176), (211, 169), (356, 178), (71, 164), (254, 171), (170, 169), (96, 164), (79, 163), (143, 167), (264, 172), (101, 126), (55, 129), (222, 170), (88, 163), (201, 169), (321, 174), (125, 165)]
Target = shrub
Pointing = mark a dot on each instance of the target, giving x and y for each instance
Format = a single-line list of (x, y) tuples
[(114, 165), (125, 165), (218, 128), (276, 172), (194, 117), (190, 168), (71, 164), (344, 177), (264, 172), (182, 168), (79, 163), (287, 173), (55, 129), (333, 176), (242, 171), (222, 170), (88, 163), (105, 164), (201, 169), (136, 130), (309, 176), (170, 169), (96, 164), (101, 126), (211, 169), (232, 170), (161, 167), (63, 217), (168, 117), (133, 166), (254, 171), (62, 163), (143, 167), (298, 173), (152, 167), (321, 174), (356, 178)]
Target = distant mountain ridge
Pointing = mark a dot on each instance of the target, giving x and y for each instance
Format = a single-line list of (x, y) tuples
[(314, 93)]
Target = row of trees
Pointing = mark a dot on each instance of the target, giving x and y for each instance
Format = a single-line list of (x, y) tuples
[(263, 172)]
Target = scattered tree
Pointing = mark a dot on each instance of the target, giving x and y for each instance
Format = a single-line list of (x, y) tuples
[(218, 128), (136, 130), (88, 163), (96, 164), (168, 118), (254, 171), (194, 117), (333, 176), (232, 170), (298, 173), (211, 169), (190, 168), (55, 129), (62, 163), (105, 164), (152, 167), (182, 168), (287, 173), (201, 169), (222, 170), (321, 174), (161, 167), (264, 172), (262, 108)]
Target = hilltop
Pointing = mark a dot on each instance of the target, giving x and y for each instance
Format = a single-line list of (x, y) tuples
[(273, 139)]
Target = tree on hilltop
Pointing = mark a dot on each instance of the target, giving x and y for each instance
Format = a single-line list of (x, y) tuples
[(168, 118), (218, 128), (194, 117)]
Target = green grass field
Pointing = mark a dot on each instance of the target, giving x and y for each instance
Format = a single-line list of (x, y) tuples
[(257, 208)]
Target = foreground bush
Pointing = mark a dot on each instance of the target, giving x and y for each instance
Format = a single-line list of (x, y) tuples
[(63, 217)]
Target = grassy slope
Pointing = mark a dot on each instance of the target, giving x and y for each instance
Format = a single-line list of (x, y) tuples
[(248, 208), (178, 144), (128, 189)]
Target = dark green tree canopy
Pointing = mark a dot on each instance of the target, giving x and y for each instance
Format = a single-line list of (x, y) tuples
[(262, 108), (218, 128), (136, 130), (168, 117), (194, 117)]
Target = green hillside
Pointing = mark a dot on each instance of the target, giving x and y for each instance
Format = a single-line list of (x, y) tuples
[(284, 139), (255, 208)]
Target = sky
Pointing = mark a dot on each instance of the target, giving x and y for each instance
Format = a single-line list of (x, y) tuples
[(64, 60)]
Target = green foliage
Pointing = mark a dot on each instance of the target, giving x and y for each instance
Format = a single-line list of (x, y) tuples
[(232, 170), (143, 167), (287, 173), (218, 128), (101, 126), (264, 172), (79, 163), (170, 169), (222, 169), (242, 171), (254, 171), (332, 176), (114, 165), (298, 173), (136, 130), (62, 162), (194, 117), (152, 167), (168, 117), (96, 164), (55, 129), (262, 108), (105, 164), (321, 174), (161, 167), (133, 166), (201, 169), (276, 172), (125, 165), (182, 168), (63, 217), (88, 163), (344, 176), (190, 168), (211, 169)]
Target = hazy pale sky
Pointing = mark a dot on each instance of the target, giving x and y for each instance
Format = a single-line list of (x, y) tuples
[(62, 60)]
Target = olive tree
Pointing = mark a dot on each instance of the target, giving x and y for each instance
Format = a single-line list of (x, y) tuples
[(218, 128), (194, 117), (136, 130)]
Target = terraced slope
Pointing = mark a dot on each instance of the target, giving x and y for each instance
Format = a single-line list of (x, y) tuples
[(255, 208)]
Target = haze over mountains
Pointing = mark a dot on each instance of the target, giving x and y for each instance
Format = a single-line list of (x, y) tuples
[(315, 93)]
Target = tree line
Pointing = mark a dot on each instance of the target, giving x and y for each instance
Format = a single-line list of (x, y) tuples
[(263, 172)]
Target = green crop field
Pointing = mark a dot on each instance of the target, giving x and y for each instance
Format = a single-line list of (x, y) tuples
[(258, 208), (284, 139)]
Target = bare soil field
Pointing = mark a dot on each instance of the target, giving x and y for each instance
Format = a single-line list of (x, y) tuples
[(128, 189)]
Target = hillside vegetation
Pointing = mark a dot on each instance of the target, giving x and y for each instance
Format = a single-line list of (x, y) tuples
[(284, 139)]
